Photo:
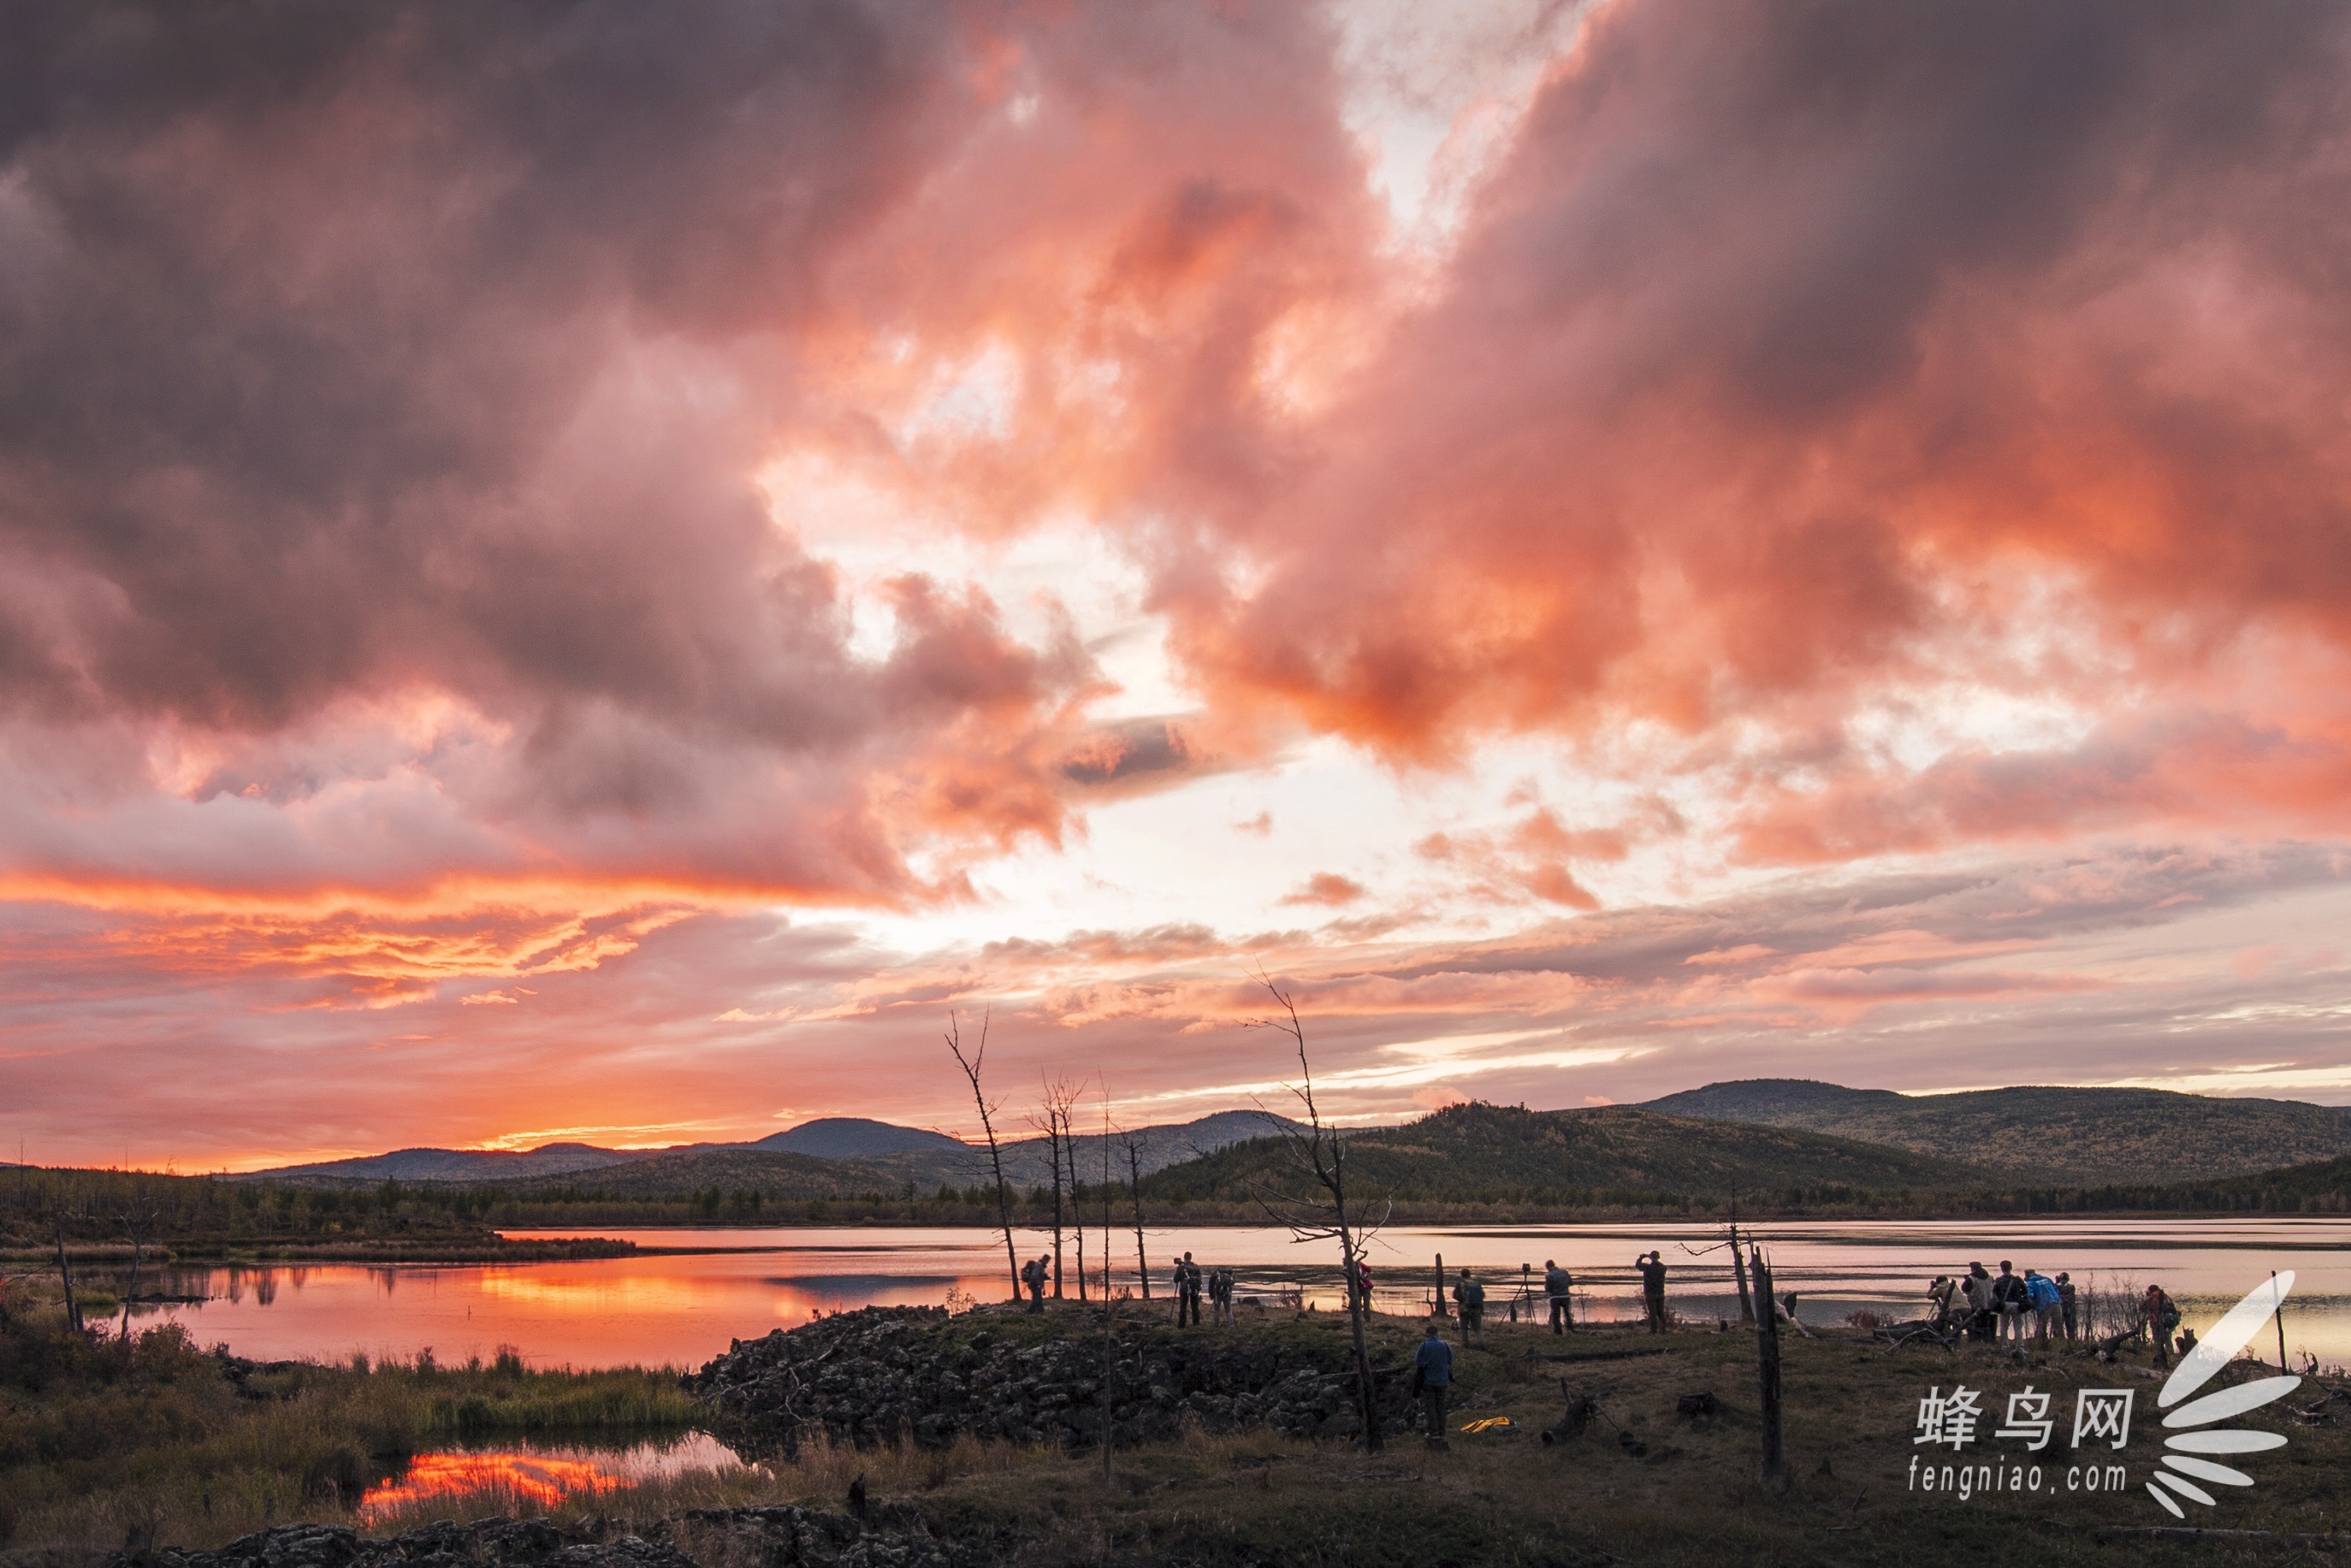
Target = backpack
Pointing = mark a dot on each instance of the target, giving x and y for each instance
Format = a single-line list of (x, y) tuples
[(2168, 1316)]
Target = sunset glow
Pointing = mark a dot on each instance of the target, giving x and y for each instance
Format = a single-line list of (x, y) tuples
[(568, 577)]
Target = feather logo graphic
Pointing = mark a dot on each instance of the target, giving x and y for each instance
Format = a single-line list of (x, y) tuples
[(2193, 1422)]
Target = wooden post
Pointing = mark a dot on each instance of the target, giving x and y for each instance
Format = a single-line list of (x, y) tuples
[(1440, 1311), (2279, 1317), (1767, 1376), (1738, 1268)]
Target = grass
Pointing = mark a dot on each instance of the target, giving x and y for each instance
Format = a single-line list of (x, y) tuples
[(100, 1436), (101, 1440)]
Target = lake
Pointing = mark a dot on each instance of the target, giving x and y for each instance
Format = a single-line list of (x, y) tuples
[(680, 1308)]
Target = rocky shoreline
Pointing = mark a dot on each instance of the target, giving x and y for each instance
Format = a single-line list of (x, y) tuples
[(876, 1375), (773, 1536)]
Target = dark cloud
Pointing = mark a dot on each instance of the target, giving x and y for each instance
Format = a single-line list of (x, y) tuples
[(410, 352), (1797, 354)]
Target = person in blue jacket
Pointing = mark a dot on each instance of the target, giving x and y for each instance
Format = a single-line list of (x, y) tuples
[(2043, 1292), (1432, 1373)]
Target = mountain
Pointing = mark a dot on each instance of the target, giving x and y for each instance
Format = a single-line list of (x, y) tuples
[(829, 1137), (1028, 1162), (832, 1155), (774, 1174), (456, 1165), (853, 1137), (2044, 1136), (1477, 1153)]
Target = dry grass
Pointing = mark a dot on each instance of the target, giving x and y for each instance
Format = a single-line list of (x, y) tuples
[(1256, 1498)]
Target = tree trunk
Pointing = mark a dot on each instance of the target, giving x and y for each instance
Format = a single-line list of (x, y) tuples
[(1739, 1267), (1367, 1394), (1135, 1179), (1053, 1141), (64, 1272), (995, 1159), (1767, 1376)]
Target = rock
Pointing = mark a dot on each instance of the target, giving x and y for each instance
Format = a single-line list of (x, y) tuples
[(485, 1544), (870, 1376)]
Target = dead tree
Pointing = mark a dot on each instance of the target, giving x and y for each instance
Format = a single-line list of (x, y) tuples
[(1134, 1188), (1319, 1153), (1739, 1263), (1767, 1378), (138, 1217), (1109, 1325), (1059, 1097), (65, 1269), (988, 1126)]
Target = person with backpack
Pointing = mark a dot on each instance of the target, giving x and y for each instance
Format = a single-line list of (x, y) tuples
[(1032, 1274), (1220, 1295), (1432, 1379), (2011, 1300), (1187, 1292), (1471, 1297), (2041, 1293), (1559, 1286)]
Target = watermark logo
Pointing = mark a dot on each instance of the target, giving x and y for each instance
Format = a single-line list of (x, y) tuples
[(2102, 1425), (2230, 1335)]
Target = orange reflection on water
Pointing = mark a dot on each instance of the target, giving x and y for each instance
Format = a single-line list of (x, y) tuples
[(540, 1478)]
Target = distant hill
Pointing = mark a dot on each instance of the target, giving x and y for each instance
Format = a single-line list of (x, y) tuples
[(773, 1174), (828, 1137), (2041, 1137), (830, 1158), (1477, 1153), (853, 1137), (2323, 1187), (1027, 1162), (454, 1165)]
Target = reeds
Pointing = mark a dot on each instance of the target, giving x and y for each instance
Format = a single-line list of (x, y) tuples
[(108, 1437)]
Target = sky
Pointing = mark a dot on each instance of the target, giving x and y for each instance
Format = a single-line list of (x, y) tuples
[(587, 572)]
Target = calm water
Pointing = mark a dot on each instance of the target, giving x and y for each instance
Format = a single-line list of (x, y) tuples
[(539, 1475), (680, 1309)]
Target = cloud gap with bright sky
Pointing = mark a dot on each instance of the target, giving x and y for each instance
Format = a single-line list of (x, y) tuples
[(572, 573)]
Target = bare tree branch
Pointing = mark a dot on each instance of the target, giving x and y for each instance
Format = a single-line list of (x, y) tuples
[(1318, 1151), (987, 1124)]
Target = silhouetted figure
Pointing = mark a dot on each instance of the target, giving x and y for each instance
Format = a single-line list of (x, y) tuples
[(857, 1498), (1558, 1287), (1432, 1379), (1032, 1274), (1653, 1290)]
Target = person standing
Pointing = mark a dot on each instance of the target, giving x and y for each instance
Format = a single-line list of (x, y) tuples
[(1187, 1292), (1220, 1295), (1432, 1373), (1032, 1274), (1559, 1287), (2042, 1291), (2011, 1300), (2066, 1301), (2161, 1317), (1983, 1314), (1653, 1290), (1470, 1295)]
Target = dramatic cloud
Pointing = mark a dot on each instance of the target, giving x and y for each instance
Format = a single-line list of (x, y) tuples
[(497, 502)]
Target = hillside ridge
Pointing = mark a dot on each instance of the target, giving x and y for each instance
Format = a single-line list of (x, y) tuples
[(2043, 1133)]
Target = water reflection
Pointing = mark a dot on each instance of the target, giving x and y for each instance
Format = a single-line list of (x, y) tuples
[(681, 1309), (542, 1475)]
